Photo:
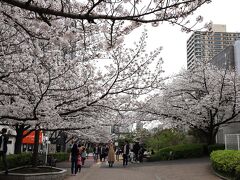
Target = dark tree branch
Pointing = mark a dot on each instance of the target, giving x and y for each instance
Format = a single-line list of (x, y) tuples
[(90, 17)]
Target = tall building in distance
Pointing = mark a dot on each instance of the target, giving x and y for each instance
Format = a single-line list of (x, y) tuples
[(229, 58), (203, 46)]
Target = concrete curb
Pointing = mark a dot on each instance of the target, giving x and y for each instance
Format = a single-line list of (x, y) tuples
[(36, 176)]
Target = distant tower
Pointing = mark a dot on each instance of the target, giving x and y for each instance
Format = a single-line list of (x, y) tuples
[(203, 46)]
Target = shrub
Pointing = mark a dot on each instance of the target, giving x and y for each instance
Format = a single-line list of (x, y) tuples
[(226, 162), (179, 152), (61, 156), (165, 138), (215, 147), (23, 159), (237, 172), (15, 160)]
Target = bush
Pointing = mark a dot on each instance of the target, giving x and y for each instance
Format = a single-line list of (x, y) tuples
[(16, 160), (61, 156), (226, 162), (179, 152), (165, 138), (215, 147), (237, 172), (23, 159)]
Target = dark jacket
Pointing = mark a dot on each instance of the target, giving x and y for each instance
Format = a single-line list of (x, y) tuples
[(136, 148), (102, 150), (74, 152), (4, 143), (96, 150), (127, 149)]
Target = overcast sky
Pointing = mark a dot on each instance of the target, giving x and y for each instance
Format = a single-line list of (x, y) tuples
[(173, 41)]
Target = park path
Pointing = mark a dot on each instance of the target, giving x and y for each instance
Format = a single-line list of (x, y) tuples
[(188, 169)]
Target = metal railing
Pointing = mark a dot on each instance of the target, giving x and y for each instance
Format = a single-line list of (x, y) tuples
[(232, 141)]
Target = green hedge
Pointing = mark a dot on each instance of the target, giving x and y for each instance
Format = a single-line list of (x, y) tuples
[(179, 152), (16, 160), (226, 162), (61, 156), (215, 147), (237, 172)]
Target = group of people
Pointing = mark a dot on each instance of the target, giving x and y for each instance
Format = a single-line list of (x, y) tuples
[(134, 154), (77, 157), (105, 151), (137, 152), (101, 152)]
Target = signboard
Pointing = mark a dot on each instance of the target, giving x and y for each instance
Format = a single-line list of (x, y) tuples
[(29, 139)]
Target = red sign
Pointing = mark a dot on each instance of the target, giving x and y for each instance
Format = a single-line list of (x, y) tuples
[(29, 139)]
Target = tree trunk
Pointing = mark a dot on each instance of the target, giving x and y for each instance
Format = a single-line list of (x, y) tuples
[(35, 148), (19, 137), (212, 136), (211, 140), (63, 144), (20, 128)]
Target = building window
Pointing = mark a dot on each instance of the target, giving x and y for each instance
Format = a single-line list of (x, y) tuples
[(217, 34), (217, 38), (217, 42)]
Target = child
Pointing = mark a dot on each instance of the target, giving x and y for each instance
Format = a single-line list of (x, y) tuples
[(79, 162), (131, 156), (83, 155)]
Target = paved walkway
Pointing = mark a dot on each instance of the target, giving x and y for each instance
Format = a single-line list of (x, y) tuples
[(190, 169)]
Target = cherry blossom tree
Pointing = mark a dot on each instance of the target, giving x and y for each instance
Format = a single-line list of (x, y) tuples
[(49, 52), (204, 99), (69, 91), (111, 17)]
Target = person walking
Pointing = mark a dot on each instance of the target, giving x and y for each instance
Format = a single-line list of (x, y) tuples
[(136, 148), (74, 159), (106, 152), (102, 153), (79, 162), (125, 153), (111, 155), (84, 155), (96, 151), (3, 148), (131, 156), (117, 153), (141, 153)]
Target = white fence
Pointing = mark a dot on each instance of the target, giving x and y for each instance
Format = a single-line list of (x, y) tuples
[(232, 141)]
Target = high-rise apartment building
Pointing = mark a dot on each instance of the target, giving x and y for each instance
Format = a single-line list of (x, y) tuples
[(229, 58), (203, 46)]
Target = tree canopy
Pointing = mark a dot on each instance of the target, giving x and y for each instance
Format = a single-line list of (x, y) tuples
[(204, 99)]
